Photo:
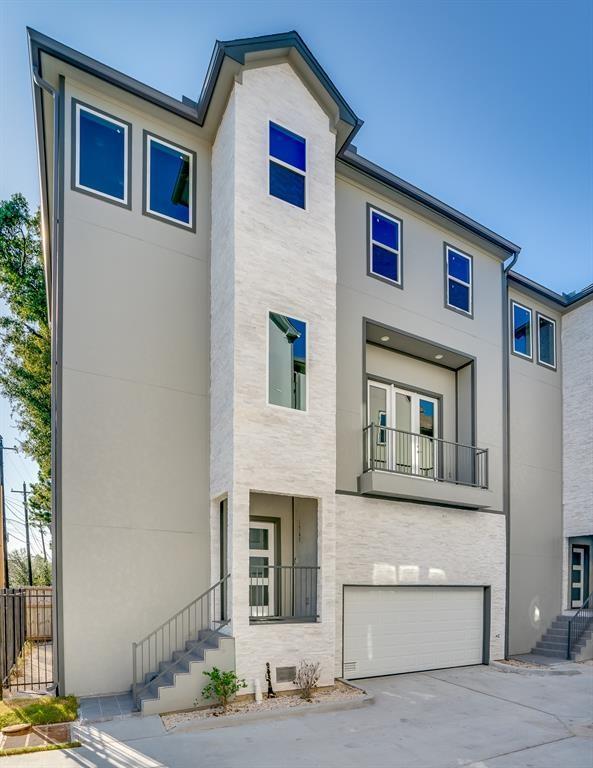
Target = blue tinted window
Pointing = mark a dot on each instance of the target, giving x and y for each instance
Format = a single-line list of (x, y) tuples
[(170, 181), (287, 362), (287, 185), (459, 266), (385, 231), (459, 295), (288, 147), (547, 341), (521, 330), (102, 161), (384, 263)]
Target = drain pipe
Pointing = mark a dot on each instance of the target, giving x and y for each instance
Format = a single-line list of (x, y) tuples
[(506, 441)]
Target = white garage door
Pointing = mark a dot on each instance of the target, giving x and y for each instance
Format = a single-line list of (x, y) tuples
[(388, 630)]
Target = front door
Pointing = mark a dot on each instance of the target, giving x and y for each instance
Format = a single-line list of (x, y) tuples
[(261, 576), (408, 444), (578, 574)]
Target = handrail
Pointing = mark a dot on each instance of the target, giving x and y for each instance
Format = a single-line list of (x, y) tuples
[(283, 592), (206, 613), (579, 623)]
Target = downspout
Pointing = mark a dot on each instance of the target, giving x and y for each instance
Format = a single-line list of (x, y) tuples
[(506, 441), (55, 322)]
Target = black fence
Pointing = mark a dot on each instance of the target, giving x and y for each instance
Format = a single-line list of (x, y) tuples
[(13, 630)]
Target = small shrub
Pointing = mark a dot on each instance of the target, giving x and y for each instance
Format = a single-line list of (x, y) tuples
[(223, 686), (306, 678)]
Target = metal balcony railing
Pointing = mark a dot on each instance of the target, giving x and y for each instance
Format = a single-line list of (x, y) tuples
[(578, 625), (408, 453), (283, 593)]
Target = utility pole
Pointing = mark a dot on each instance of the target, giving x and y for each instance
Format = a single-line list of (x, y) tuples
[(43, 541), (27, 537), (3, 536)]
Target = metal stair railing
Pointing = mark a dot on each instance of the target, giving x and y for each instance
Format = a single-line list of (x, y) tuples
[(578, 624), (205, 614)]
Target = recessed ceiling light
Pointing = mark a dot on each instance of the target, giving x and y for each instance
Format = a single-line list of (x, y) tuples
[(438, 357), (384, 338)]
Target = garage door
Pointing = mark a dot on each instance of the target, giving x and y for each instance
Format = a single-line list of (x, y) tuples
[(389, 630)]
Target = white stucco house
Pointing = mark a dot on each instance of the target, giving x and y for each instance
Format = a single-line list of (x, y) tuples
[(301, 408)]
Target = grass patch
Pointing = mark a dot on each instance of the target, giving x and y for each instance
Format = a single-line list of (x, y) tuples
[(46, 748), (42, 711)]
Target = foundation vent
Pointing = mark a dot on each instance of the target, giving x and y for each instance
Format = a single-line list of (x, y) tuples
[(285, 674), (350, 666)]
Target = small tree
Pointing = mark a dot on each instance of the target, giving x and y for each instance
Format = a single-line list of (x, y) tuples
[(223, 686), (306, 678), (18, 572)]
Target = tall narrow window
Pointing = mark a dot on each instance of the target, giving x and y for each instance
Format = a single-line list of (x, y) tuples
[(169, 181), (458, 281), (546, 341), (288, 165), (384, 249), (101, 154), (287, 362), (521, 321)]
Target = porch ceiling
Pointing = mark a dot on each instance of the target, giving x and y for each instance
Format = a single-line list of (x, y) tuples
[(416, 346)]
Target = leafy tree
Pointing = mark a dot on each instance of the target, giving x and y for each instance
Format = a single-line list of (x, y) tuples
[(25, 344), (18, 573)]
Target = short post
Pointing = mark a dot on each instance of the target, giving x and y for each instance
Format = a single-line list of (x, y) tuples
[(134, 672)]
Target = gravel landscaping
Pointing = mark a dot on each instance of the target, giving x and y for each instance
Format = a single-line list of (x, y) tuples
[(337, 694)]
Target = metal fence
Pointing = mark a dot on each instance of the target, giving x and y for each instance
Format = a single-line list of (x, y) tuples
[(408, 453), (26, 639), (283, 592), (578, 625)]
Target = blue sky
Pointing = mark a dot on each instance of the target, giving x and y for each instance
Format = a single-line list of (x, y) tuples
[(486, 105)]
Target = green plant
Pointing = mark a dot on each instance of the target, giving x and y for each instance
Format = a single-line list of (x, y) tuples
[(306, 678), (223, 686), (43, 748)]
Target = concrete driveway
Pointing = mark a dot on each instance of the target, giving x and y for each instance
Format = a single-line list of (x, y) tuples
[(475, 716)]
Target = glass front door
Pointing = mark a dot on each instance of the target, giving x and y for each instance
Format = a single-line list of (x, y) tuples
[(407, 444), (261, 576), (578, 574)]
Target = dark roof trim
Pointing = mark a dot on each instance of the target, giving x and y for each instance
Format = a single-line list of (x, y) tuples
[(562, 300), (368, 168)]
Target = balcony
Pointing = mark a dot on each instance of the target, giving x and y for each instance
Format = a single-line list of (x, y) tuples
[(415, 466), (282, 593)]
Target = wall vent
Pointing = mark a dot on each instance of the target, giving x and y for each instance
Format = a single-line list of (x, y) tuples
[(350, 666), (285, 674)]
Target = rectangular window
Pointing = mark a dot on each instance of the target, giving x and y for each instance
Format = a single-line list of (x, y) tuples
[(169, 181), (521, 321), (101, 154), (384, 246), (546, 341), (288, 165), (459, 291), (287, 362)]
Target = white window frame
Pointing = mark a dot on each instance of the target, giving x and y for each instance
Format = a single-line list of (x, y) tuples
[(284, 408), (150, 137), (272, 159), (108, 118), (554, 365), (527, 309), (396, 252), (469, 285)]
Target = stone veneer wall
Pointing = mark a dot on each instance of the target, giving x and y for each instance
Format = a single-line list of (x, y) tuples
[(388, 542)]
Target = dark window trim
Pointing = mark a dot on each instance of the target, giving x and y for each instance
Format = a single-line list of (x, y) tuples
[(539, 361), (74, 150), (400, 255), (512, 304), (452, 307), (145, 190)]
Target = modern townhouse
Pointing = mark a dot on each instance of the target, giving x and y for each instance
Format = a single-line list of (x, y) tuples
[(302, 409)]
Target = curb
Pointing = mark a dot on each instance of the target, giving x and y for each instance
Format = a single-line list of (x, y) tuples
[(533, 671), (247, 718)]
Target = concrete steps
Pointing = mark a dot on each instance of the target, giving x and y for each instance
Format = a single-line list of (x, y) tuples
[(554, 642)]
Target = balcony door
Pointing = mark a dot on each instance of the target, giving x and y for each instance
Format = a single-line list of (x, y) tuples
[(262, 558), (407, 442)]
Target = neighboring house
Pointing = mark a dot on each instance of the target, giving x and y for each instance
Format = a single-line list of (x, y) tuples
[(290, 380)]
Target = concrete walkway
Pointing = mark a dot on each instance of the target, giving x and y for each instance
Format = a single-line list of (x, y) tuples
[(474, 716)]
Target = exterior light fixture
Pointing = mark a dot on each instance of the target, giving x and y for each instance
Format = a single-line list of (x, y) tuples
[(384, 338)]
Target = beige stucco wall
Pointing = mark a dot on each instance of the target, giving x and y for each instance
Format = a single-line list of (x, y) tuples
[(389, 542), (135, 502), (535, 491), (282, 259)]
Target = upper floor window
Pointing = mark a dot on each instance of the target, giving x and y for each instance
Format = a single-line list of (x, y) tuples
[(101, 154), (546, 341), (169, 183), (458, 281), (384, 248), (521, 321), (287, 362), (288, 165)]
